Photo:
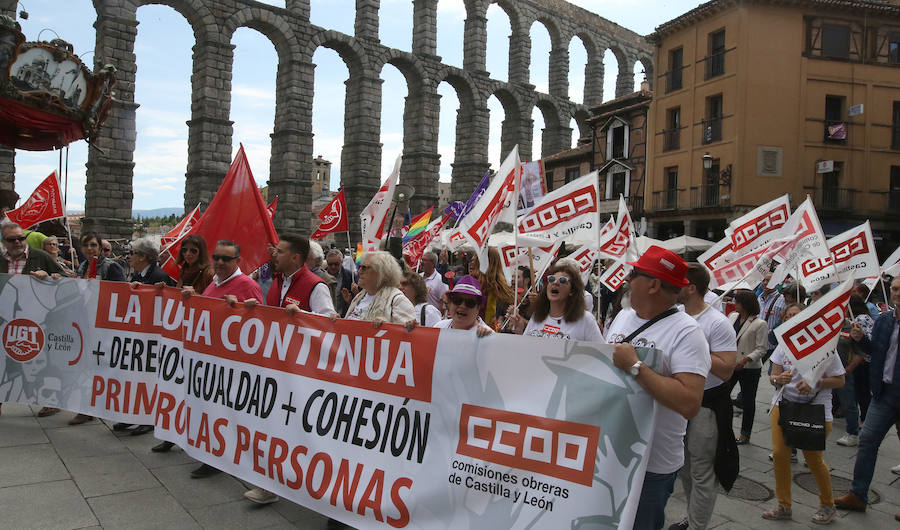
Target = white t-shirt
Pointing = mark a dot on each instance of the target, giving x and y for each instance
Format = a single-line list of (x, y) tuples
[(447, 322), (790, 391), (585, 328), (360, 309), (684, 350), (436, 289), (432, 315), (588, 301), (713, 299), (719, 335)]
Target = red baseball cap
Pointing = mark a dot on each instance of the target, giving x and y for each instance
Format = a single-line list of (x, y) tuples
[(663, 264)]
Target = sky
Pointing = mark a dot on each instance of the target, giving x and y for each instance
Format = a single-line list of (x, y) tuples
[(163, 49)]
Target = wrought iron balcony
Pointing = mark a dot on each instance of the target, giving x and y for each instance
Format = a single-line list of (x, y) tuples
[(834, 199), (673, 81), (715, 64), (665, 200), (712, 130), (713, 196), (671, 139)]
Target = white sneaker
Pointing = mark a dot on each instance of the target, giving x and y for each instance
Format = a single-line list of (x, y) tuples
[(848, 440), (260, 496), (896, 469)]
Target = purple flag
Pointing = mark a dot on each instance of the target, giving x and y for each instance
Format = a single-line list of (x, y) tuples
[(459, 210)]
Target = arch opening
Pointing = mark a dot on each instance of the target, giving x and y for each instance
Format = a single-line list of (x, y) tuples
[(499, 31)]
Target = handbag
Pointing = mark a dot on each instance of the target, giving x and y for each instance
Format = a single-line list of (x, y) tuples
[(802, 424)]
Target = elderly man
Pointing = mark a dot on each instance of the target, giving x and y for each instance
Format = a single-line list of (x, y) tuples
[(19, 258), (314, 257), (433, 281), (342, 279), (710, 451), (884, 409), (653, 321), (232, 285)]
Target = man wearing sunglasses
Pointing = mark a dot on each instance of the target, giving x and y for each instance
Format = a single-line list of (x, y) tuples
[(653, 321), (19, 258)]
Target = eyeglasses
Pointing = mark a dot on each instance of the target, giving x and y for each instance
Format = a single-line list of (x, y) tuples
[(635, 273), (562, 280), (459, 300), (226, 259), (363, 268), (14, 239), (91, 245), (107, 250), (191, 250)]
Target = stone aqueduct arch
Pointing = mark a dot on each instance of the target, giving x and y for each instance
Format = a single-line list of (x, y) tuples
[(110, 169)]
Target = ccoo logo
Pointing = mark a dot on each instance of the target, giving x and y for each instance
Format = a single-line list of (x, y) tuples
[(23, 340)]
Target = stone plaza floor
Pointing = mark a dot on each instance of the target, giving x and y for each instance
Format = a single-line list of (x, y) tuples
[(53, 475)]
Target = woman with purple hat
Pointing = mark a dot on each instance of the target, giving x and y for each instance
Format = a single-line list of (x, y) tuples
[(463, 306), (559, 311)]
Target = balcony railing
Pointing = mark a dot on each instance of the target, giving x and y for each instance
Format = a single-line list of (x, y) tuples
[(714, 196), (836, 131), (715, 64), (673, 80), (665, 200), (671, 139), (835, 199), (712, 130)]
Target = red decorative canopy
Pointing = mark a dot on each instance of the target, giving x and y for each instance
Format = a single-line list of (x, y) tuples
[(48, 98)]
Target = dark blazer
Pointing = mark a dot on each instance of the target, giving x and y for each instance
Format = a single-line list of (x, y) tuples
[(877, 347), (37, 260), (154, 276)]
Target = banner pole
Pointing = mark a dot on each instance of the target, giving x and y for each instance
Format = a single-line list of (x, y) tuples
[(887, 302), (73, 255), (799, 301)]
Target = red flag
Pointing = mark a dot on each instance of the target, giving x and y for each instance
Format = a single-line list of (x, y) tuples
[(413, 249), (272, 206), (238, 213), (182, 229), (45, 203), (334, 217)]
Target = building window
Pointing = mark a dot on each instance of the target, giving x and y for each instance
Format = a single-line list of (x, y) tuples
[(711, 185), (617, 140), (670, 190), (572, 173), (895, 129), (715, 62), (672, 132), (836, 41), (831, 192), (835, 126), (894, 48), (894, 192), (712, 125), (676, 65), (617, 182)]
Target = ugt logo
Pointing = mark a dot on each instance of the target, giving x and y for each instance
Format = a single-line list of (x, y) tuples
[(23, 340)]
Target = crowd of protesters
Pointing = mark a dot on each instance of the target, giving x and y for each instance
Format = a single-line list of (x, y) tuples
[(709, 343)]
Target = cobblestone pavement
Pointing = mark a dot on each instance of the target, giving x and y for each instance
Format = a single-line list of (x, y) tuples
[(56, 476)]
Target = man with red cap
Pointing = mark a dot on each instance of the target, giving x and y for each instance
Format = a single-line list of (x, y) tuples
[(653, 321)]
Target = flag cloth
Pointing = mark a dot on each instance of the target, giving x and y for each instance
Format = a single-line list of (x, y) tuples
[(717, 255), (272, 206), (417, 225), (461, 211), (334, 217), (374, 215), (569, 213), (175, 235), (479, 223), (359, 253), (414, 249), (619, 243), (804, 228), (238, 213), (532, 185), (586, 256), (511, 257), (852, 256), (891, 265), (811, 337), (761, 225), (45, 203), (616, 275)]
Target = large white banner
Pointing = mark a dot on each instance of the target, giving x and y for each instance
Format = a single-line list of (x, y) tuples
[(852, 256), (375, 427), (569, 213), (759, 226)]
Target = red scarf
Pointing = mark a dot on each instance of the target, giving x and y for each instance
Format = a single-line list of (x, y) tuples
[(92, 269)]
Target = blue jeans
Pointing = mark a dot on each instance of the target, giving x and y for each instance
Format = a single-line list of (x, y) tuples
[(847, 395), (651, 510), (879, 420)]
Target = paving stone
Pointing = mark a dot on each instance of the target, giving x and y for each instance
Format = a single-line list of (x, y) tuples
[(198, 493), (48, 505), (105, 475), (80, 441), (238, 514), (20, 430), (29, 464), (145, 509), (298, 514)]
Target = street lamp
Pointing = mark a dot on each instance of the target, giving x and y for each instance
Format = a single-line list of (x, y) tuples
[(707, 161)]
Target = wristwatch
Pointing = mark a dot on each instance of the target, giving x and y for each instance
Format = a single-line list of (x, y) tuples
[(635, 369)]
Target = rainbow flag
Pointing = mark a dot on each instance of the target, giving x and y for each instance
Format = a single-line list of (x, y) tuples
[(418, 224), (359, 253)]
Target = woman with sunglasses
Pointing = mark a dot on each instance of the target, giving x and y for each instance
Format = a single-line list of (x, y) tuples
[(196, 267), (463, 304), (559, 311), (379, 299)]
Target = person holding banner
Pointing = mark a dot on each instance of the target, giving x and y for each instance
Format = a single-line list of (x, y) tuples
[(193, 258), (793, 387), (95, 266), (752, 345), (51, 246), (710, 453), (852, 357), (884, 409), (379, 299), (654, 321), (462, 308), (559, 311)]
